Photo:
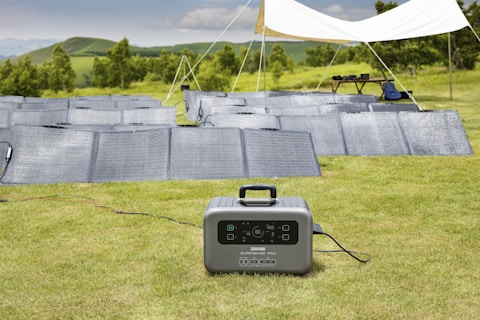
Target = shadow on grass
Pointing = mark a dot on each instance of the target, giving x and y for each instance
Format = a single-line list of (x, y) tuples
[(315, 269)]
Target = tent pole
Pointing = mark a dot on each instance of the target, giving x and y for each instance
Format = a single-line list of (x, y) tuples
[(243, 65), (264, 64), (213, 44), (328, 68), (261, 59), (391, 73), (450, 63)]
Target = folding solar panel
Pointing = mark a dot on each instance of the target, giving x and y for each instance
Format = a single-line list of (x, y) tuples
[(280, 153), (92, 98), (206, 153), (92, 103), (393, 107), (355, 98), (5, 135), (312, 99), (295, 111), (9, 105), (46, 105), (208, 103), (137, 104), (45, 100), (49, 155), (38, 117), (351, 107), (94, 116), (249, 94), (269, 101), (4, 144), (4, 118), (132, 155), (122, 97), (163, 115), (239, 110), (137, 127), (18, 99), (371, 134), (325, 130), (192, 101), (258, 121), (435, 133)]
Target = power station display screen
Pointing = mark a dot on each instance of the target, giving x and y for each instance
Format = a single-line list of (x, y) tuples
[(257, 232)]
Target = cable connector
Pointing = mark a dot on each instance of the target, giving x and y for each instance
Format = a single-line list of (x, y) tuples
[(317, 229), (8, 156)]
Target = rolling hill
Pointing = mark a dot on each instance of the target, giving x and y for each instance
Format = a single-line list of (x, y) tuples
[(88, 47), (82, 50)]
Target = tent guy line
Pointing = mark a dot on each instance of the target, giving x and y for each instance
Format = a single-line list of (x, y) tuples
[(415, 18)]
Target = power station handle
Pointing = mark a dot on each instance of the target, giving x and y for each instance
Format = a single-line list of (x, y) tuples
[(273, 190)]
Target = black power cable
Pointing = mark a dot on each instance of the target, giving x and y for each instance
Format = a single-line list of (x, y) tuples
[(317, 229), (351, 253)]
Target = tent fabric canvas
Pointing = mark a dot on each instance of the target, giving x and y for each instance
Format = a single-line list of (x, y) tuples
[(415, 18)]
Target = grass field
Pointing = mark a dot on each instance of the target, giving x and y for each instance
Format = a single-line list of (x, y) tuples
[(65, 253)]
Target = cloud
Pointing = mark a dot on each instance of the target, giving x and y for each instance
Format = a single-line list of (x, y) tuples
[(351, 14), (160, 24), (336, 11), (219, 19)]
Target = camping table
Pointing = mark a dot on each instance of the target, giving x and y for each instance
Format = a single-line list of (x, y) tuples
[(359, 83)]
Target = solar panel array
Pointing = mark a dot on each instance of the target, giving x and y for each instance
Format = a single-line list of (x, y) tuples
[(55, 154), (339, 124), (93, 110), (250, 134)]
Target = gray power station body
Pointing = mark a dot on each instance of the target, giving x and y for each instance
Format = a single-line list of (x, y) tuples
[(258, 235)]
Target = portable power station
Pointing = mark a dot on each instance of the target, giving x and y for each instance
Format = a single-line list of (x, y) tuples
[(258, 235)]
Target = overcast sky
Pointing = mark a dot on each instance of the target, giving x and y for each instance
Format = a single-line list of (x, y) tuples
[(151, 22)]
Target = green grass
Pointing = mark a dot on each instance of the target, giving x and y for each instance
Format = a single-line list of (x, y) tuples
[(66, 257), (82, 66)]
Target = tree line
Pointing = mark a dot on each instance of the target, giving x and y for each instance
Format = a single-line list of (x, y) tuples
[(120, 68)]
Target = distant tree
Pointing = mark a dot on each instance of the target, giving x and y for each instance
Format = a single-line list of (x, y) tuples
[(465, 46), (321, 55), (116, 70), (257, 56), (100, 72), (278, 55), (21, 79), (140, 67), (315, 56), (227, 61), (5, 69), (407, 54), (189, 54), (165, 66), (212, 78), (121, 58), (382, 7), (43, 74), (412, 53), (277, 72), (61, 75), (246, 56)]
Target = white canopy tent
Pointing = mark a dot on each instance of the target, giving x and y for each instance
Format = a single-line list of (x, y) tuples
[(415, 18)]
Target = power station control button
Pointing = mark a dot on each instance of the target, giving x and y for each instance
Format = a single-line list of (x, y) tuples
[(230, 227), (285, 237), (230, 237), (257, 232)]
